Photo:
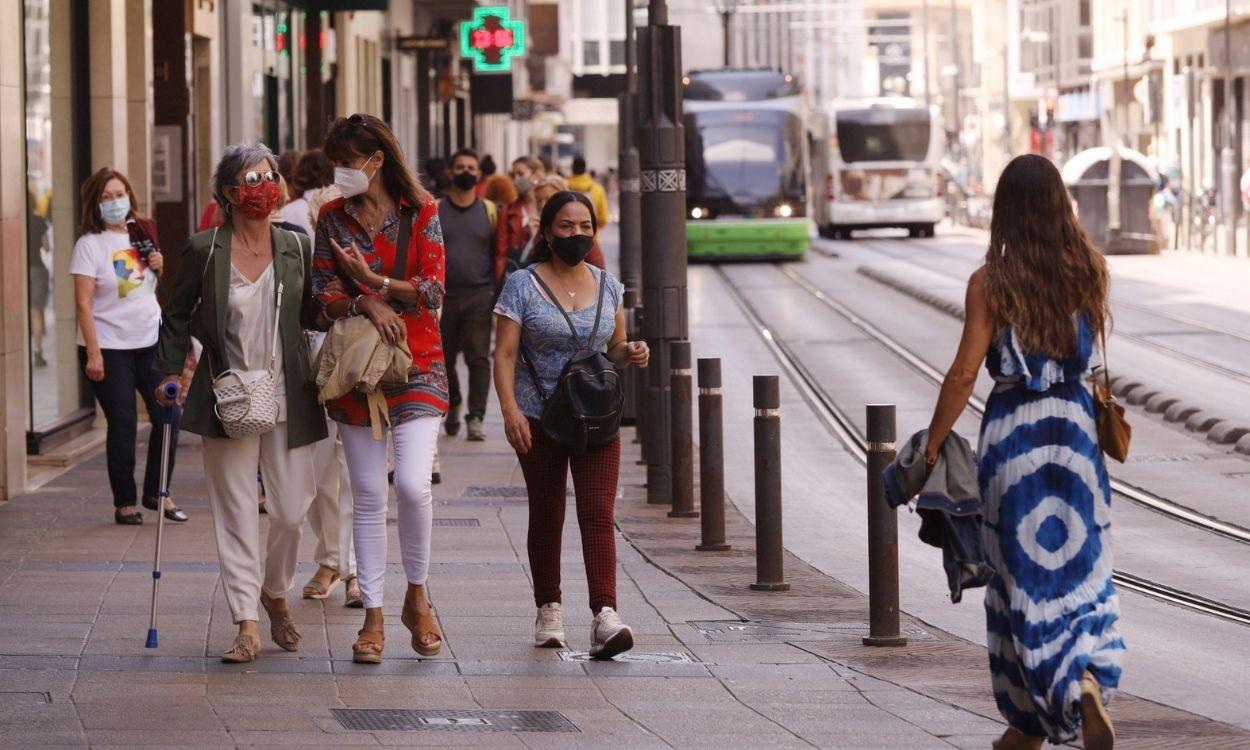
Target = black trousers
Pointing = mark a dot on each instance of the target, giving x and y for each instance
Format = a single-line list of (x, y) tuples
[(466, 328), (125, 372)]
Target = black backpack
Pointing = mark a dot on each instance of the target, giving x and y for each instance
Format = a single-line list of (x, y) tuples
[(584, 410)]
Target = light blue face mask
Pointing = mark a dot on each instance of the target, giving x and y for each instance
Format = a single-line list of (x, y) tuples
[(115, 211)]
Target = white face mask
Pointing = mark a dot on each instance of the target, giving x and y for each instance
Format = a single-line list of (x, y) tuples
[(351, 182)]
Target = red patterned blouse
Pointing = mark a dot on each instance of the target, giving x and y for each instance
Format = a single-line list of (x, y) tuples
[(425, 394)]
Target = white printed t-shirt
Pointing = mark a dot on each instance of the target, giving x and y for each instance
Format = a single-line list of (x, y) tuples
[(127, 315)]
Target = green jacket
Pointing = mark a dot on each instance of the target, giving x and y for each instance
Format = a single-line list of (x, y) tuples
[(197, 307)]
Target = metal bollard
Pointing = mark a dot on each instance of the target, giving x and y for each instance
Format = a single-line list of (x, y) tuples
[(711, 458), (682, 431), (768, 548), (883, 627)]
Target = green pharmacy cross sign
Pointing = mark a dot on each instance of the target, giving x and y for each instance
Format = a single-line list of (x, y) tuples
[(492, 39)]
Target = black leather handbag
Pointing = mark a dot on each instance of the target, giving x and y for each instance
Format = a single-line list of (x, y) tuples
[(585, 408)]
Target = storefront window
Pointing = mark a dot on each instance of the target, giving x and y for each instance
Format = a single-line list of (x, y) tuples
[(272, 38), (56, 135)]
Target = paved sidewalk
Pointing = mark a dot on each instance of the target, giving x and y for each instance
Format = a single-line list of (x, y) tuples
[(73, 615)]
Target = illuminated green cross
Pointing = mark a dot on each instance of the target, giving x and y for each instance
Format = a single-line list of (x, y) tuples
[(491, 39)]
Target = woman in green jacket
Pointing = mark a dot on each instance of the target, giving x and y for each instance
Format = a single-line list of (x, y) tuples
[(225, 295)]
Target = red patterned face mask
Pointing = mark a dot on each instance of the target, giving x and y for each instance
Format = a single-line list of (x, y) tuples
[(258, 201)]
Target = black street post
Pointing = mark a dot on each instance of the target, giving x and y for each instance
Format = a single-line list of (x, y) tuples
[(630, 207), (661, 150)]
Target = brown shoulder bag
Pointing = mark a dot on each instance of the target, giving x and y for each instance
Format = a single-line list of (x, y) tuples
[(1114, 431)]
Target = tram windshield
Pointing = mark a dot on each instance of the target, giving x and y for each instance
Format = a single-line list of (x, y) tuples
[(745, 158)]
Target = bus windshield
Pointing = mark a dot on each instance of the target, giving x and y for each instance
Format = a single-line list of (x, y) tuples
[(747, 157), (883, 134)]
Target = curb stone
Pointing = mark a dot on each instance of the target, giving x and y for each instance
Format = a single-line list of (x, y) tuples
[(1200, 421), (1122, 386), (1226, 433), (1243, 445), (1179, 412), (1160, 402)]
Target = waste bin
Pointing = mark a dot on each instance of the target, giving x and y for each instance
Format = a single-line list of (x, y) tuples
[(1087, 175)]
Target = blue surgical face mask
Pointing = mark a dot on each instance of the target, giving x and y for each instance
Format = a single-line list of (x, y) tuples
[(115, 211)]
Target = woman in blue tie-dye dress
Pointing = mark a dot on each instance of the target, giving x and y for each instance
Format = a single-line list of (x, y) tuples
[(1034, 313)]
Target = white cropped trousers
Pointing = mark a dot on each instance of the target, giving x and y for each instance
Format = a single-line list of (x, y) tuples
[(330, 514), (414, 444)]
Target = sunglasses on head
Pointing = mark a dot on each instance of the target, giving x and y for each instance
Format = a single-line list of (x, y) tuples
[(256, 176)]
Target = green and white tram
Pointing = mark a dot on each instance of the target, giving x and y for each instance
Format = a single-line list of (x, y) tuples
[(747, 161)]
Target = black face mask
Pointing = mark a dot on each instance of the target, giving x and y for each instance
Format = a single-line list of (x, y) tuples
[(465, 180), (572, 250)]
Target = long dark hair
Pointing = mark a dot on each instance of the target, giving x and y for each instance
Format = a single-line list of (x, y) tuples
[(542, 248), (362, 135), (313, 171), (91, 222), (1041, 267)]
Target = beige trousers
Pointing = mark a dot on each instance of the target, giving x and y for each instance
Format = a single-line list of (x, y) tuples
[(230, 471), (330, 514)]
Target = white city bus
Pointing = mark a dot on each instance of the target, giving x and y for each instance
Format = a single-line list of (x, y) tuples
[(884, 167)]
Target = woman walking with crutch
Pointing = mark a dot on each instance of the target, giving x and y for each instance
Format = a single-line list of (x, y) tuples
[(244, 290)]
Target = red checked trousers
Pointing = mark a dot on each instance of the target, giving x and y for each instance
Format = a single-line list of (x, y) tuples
[(595, 475)]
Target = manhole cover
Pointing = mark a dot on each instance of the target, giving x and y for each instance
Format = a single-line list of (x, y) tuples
[(457, 522), (23, 698), (493, 491), (1166, 458), (774, 631), (639, 657), (497, 491), (416, 720)]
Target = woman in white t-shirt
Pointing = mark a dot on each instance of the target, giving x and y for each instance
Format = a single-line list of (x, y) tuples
[(115, 278)]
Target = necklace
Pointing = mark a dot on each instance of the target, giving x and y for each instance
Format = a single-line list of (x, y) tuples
[(247, 245), (572, 294)]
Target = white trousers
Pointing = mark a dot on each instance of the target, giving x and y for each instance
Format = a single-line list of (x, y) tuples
[(230, 472), (330, 514), (414, 444)]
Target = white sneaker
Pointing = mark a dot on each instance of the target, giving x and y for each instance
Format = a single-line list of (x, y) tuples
[(549, 627), (609, 636)]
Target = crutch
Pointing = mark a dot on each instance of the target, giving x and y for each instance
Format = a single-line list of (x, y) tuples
[(171, 393)]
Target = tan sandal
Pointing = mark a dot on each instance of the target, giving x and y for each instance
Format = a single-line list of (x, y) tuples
[(1097, 732), (315, 589), (368, 647), (243, 650), (422, 624), (281, 627)]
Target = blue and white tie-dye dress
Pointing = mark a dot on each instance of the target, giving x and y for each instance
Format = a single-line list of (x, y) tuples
[(1051, 608)]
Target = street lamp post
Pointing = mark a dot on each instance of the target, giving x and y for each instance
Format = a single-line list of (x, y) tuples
[(631, 210), (1228, 166), (661, 148), (725, 9), (631, 229)]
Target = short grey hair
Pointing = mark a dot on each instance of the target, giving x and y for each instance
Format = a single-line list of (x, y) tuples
[(236, 158)]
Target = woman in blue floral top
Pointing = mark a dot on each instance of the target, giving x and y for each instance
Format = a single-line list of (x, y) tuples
[(528, 320)]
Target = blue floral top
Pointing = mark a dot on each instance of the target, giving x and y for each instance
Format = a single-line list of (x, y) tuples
[(545, 336)]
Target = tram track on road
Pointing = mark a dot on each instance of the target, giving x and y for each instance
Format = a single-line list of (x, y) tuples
[(1202, 327), (836, 421)]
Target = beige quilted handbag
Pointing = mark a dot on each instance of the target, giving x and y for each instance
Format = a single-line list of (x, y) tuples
[(247, 402)]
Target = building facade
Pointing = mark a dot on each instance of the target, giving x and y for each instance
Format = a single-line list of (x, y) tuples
[(91, 83)]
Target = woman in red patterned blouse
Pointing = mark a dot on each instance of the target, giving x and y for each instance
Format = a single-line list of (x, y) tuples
[(354, 274)]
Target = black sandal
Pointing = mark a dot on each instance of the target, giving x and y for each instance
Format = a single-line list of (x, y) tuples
[(127, 519)]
